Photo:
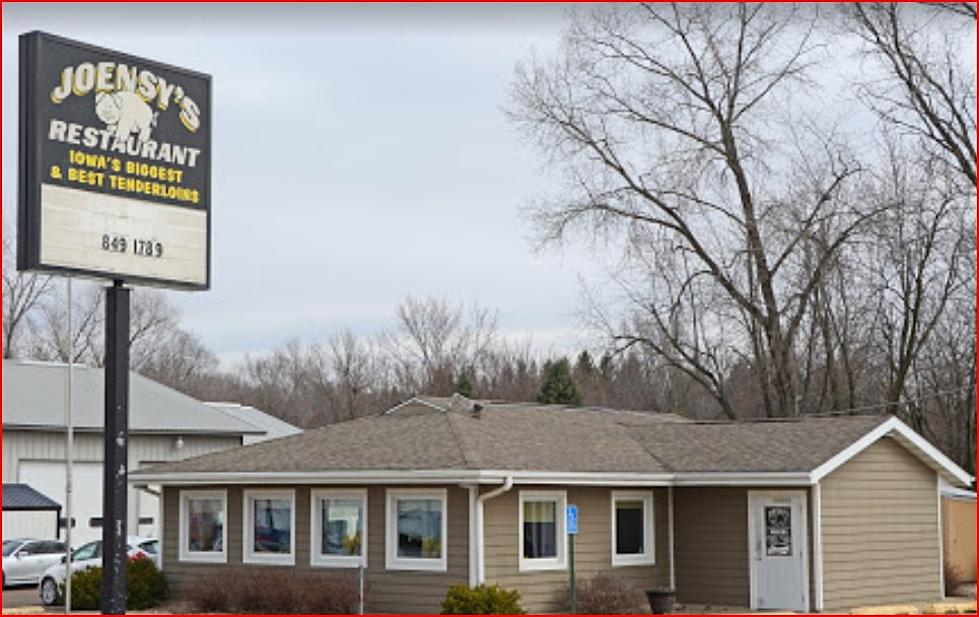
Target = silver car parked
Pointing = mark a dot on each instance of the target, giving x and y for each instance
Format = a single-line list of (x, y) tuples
[(26, 559)]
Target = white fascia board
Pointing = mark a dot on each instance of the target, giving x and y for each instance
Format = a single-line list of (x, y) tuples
[(404, 477), (892, 425), (759, 478)]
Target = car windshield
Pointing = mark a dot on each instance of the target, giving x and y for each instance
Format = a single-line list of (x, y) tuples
[(150, 547), (9, 546), (88, 551)]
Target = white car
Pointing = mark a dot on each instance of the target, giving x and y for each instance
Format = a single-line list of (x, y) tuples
[(25, 559), (90, 556)]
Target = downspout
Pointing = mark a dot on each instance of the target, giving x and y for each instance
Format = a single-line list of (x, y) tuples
[(480, 541)]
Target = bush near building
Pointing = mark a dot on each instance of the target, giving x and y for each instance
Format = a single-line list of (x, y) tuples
[(146, 587), (481, 600)]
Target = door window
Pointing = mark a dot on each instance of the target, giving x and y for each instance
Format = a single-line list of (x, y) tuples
[(778, 531)]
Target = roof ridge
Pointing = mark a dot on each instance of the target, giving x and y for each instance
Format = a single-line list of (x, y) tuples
[(460, 440)]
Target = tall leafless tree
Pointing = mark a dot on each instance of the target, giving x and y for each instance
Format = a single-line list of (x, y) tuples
[(661, 116)]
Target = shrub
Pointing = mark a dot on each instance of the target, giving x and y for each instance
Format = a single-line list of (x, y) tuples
[(86, 590), (146, 586), (483, 600), (604, 594), (276, 593)]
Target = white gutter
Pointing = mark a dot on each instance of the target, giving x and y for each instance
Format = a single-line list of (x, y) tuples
[(754, 478), (414, 476), (482, 499)]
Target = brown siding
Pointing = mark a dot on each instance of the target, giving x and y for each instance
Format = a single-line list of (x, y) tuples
[(547, 591), (711, 536), (388, 591), (880, 533)]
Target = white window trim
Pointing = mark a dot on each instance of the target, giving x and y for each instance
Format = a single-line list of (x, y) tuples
[(184, 554), (648, 556), (248, 532), (544, 563), (317, 558), (393, 561)]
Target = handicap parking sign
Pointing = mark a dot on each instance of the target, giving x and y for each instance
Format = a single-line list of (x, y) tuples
[(572, 523)]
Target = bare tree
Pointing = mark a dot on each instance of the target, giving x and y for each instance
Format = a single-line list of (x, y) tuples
[(930, 92), (22, 292), (660, 116), (434, 339)]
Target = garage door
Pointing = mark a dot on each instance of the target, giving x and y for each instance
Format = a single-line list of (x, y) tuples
[(48, 477)]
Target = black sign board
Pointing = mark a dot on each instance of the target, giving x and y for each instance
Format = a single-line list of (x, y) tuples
[(115, 165)]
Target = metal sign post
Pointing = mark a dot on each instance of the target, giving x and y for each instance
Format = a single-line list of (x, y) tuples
[(69, 450), (572, 529), (114, 549)]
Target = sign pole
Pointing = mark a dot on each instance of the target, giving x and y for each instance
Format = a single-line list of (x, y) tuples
[(69, 452), (571, 528), (574, 587), (115, 473)]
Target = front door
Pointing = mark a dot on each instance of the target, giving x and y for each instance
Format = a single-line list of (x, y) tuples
[(778, 550)]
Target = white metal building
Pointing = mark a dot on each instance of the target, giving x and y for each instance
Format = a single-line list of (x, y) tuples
[(164, 425)]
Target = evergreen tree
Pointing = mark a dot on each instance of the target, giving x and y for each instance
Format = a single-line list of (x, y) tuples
[(464, 385), (557, 386)]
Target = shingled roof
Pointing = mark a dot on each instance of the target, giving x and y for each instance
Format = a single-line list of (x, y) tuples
[(450, 434), (22, 497)]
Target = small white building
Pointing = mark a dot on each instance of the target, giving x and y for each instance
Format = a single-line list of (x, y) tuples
[(164, 425)]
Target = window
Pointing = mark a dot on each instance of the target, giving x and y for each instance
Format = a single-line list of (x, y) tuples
[(203, 532), (416, 530), (269, 520), (542, 533), (92, 550), (632, 528), (339, 532)]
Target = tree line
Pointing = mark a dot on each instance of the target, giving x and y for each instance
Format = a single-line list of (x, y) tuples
[(772, 255)]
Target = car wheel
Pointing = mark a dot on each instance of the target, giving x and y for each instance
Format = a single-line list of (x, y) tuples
[(49, 592)]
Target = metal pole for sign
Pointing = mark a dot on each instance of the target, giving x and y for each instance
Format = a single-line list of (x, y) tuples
[(69, 451), (114, 550), (574, 587)]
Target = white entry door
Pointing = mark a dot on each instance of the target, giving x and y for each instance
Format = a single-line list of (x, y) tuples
[(778, 550)]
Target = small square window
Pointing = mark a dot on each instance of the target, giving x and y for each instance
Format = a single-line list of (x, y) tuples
[(542, 530), (416, 530), (203, 533), (339, 532), (269, 523), (632, 528)]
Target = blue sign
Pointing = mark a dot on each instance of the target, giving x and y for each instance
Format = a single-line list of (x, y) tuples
[(572, 523)]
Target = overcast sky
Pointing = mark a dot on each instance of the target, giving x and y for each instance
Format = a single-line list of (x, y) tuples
[(360, 155)]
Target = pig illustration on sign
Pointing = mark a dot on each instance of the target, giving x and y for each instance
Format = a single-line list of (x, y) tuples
[(125, 113)]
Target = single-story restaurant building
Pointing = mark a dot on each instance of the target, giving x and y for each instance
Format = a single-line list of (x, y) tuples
[(818, 513)]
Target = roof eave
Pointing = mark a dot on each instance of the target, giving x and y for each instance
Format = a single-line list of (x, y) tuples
[(908, 438), (414, 476)]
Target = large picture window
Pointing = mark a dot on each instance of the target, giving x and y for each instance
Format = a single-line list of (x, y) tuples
[(416, 530), (542, 531), (632, 528), (203, 534), (269, 524), (339, 532)]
